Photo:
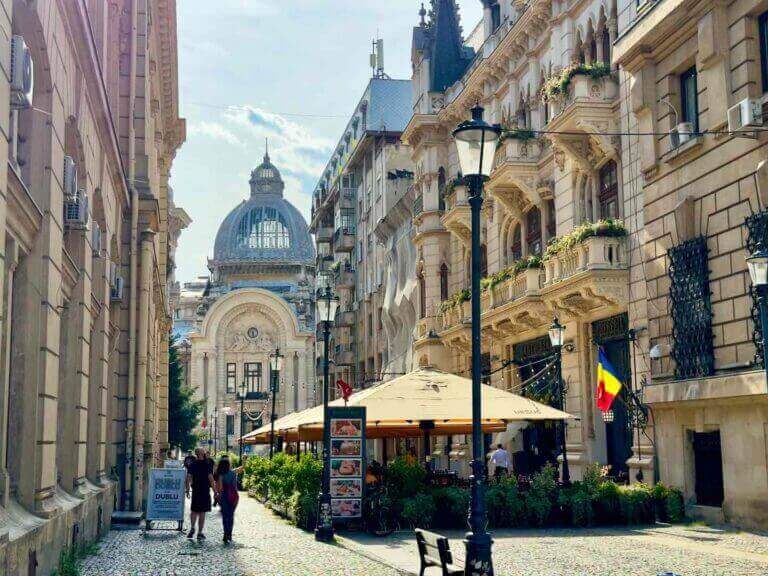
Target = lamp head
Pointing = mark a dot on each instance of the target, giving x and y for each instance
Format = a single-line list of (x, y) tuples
[(556, 333), (757, 262), (476, 145)]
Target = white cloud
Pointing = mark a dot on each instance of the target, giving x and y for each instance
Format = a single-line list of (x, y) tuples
[(215, 131)]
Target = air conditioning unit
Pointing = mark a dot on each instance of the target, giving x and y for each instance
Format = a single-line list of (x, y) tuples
[(681, 134), (76, 210), (745, 115), (96, 239), (116, 291), (22, 74), (70, 177)]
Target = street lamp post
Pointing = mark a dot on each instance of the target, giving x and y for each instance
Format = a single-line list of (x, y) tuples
[(243, 393), (476, 145), (327, 304), (556, 336), (227, 412), (276, 364), (758, 271), (215, 429)]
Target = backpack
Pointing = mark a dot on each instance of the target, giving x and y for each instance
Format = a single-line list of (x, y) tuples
[(231, 494)]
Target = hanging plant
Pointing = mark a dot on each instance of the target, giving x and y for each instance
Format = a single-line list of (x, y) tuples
[(455, 300), (610, 228), (522, 134), (556, 87), (511, 272)]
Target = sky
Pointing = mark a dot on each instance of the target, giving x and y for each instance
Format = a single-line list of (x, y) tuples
[(288, 70)]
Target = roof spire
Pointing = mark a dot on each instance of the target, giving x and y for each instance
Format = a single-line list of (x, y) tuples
[(423, 15), (266, 149)]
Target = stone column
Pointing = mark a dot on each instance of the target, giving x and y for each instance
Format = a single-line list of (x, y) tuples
[(11, 261)]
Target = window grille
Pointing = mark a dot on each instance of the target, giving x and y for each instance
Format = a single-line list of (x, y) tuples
[(757, 237), (692, 347)]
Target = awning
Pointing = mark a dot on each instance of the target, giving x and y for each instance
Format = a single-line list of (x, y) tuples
[(399, 407)]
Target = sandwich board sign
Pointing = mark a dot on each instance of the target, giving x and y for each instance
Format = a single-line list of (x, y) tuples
[(165, 498)]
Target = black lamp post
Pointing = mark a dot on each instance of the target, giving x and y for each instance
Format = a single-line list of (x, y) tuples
[(227, 413), (276, 364), (327, 304), (758, 271), (215, 429), (556, 336), (243, 394), (476, 145)]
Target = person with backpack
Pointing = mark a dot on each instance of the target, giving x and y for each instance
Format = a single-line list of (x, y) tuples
[(226, 488)]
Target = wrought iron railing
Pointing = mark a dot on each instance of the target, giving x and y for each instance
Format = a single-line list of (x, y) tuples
[(692, 345)]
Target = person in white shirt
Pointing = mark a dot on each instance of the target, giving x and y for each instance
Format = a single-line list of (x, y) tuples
[(500, 461)]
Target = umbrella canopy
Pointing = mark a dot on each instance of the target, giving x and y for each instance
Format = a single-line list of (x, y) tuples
[(405, 405)]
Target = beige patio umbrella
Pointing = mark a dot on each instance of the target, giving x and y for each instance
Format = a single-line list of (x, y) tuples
[(403, 406)]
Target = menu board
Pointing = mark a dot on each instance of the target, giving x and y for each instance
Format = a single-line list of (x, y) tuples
[(347, 461)]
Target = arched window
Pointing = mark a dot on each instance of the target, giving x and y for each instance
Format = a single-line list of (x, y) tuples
[(443, 282), (441, 189), (593, 49), (516, 248), (533, 231), (609, 191), (483, 261), (606, 48), (551, 219), (264, 228), (422, 296)]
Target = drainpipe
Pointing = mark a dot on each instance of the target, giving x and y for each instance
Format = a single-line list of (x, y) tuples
[(130, 444), (145, 297)]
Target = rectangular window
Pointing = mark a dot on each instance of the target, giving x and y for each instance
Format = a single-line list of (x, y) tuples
[(609, 191), (763, 26), (689, 105), (253, 376), (230, 424), (231, 377)]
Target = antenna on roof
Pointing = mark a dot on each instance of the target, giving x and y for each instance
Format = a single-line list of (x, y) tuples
[(266, 149), (377, 58)]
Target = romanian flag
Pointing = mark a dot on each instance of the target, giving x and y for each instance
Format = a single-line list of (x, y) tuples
[(608, 383)]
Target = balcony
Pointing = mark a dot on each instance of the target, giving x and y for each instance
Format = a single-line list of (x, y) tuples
[(324, 234), (345, 318), (344, 354), (583, 115), (516, 169), (643, 25), (344, 240), (457, 218), (418, 205), (590, 275), (344, 275)]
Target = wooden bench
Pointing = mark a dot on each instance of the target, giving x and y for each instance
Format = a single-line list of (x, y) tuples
[(435, 551)]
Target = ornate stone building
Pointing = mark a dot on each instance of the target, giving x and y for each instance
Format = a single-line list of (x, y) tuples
[(85, 241), (362, 221), (258, 298), (695, 74), (541, 70)]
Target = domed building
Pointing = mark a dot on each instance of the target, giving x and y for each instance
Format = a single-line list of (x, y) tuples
[(258, 299)]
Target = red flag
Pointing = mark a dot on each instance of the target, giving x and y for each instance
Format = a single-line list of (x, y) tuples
[(203, 422), (346, 389)]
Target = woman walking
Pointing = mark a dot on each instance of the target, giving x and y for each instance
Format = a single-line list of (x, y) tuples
[(226, 488), (200, 480)]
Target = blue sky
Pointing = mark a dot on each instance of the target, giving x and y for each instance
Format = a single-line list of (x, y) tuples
[(252, 69)]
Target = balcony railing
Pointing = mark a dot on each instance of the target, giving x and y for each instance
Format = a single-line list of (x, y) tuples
[(595, 253), (344, 239), (583, 88), (418, 205), (526, 283)]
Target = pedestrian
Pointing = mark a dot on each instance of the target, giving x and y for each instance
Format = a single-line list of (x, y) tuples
[(200, 480), (500, 460), (188, 459), (226, 490)]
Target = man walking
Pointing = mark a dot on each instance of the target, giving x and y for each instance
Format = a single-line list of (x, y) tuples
[(500, 460), (200, 479)]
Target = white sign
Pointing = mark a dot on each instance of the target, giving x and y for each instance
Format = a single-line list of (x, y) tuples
[(165, 500), (173, 464)]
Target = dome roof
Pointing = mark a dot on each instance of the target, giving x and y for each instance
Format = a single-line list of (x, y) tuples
[(266, 227)]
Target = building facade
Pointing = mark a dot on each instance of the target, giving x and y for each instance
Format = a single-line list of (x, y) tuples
[(85, 241), (362, 221), (258, 299), (542, 70), (698, 179)]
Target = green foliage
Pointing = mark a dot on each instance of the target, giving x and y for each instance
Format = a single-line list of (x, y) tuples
[(521, 134), (183, 410), (70, 559), (404, 479), (610, 228), (669, 502), (527, 263), (506, 508), (637, 504), (455, 300), (451, 507), (541, 496), (451, 186), (556, 87), (234, 459), (418, 510), (608, 503)]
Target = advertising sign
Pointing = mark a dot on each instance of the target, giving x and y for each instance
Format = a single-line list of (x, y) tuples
[(165, 499), (347, 461)]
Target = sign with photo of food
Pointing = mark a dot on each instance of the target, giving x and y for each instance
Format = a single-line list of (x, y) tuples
[(347, 425), (345, 447)]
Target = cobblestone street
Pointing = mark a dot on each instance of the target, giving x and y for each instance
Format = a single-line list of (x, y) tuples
[(264, 545)]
